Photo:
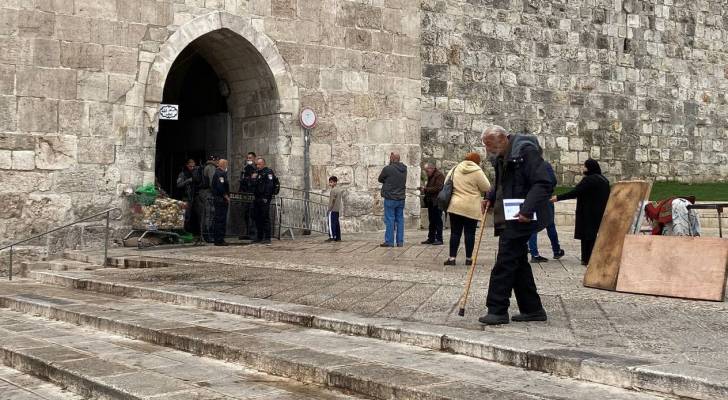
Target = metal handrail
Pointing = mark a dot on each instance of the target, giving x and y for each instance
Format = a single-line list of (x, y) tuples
[(106, 236)]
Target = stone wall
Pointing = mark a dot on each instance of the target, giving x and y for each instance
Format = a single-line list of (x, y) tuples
[(641, 86), (81, 80)]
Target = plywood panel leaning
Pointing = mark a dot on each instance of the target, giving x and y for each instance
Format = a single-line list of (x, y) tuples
[(675, 266), (625, 200)]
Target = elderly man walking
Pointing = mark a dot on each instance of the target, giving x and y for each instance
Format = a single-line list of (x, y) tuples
[(394, 182), (520, 202)]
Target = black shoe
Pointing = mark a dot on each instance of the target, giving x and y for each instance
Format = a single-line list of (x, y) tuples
[(538, 259), (244, 237), (528, 317), (437, 243), (400, 244), (385, 245), (450, 262), (329, 240), (494, 319), (428, 241), (221, 244), (337, 240), (559, 254), (468, 261)]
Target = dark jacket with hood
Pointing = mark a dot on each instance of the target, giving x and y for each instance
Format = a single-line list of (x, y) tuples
[(394, 181), (522, 174), (591, 196)]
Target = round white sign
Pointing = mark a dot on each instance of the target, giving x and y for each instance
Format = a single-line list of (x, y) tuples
[(308, 118)]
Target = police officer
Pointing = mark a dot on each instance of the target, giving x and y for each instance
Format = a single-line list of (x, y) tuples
[(204, 200), (221, 200), (265, 183), (247, 185)]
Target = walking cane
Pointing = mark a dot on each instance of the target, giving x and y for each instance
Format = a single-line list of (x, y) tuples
[(471, 271)]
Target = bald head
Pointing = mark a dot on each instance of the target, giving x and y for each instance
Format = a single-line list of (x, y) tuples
[(394, 157), (495, 139)]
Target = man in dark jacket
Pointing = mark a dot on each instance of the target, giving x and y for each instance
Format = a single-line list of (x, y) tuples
[(264, 190), (553, 235), (247, 186), (591, 195), (435, 182), (520, 202), (394, 182), (221, 198), (188, 182), (204, 201)]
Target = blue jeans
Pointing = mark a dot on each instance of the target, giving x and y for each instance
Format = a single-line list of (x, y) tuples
[(553, 237), (393, 221)]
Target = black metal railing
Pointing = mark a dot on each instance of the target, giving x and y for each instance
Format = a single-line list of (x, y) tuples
[(107, 214)]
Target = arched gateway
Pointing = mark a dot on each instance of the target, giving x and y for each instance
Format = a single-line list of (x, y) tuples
[(235, 95)]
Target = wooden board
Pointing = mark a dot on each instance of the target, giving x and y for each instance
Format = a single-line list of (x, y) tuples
[(675, 266), (625, 200)]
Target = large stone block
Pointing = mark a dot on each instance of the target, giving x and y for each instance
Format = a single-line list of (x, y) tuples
[(33, 23), (41, 52), (283, 8), (7, 79), (23, 160), (92, 86), (73, 118), (119, 86), (37, 115), (71, 28), (46, 82), (120, 60), (8, 22), (102, 9), (6, 160), (94, 150), (8, 113), (56, 151), (82, 55)]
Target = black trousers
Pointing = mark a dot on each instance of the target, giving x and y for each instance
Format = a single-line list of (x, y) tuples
[(261, 208), (434, 214), (587, 245), (249, 220), (512, 272), (220, 220), (458, 225)]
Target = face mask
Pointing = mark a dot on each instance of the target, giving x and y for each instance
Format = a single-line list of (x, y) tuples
[(249, 162)]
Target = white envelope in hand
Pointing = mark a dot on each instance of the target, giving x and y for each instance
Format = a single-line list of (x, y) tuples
[(512, 207)]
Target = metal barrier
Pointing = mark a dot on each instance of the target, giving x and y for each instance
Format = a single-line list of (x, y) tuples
[(106, 236), (303, 214)]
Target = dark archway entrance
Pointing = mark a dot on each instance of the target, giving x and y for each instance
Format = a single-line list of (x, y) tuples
[(229, 105)]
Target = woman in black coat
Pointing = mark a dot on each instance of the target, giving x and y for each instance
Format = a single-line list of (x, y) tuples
[(591, 196)]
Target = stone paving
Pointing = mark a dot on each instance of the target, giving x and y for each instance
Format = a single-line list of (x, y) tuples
[(16, 385), (140, 369), (410, 283), (285, 348)]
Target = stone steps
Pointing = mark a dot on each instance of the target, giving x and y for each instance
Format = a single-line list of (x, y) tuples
[(101, 365), (368, 367), (598, 367), (15, 385)]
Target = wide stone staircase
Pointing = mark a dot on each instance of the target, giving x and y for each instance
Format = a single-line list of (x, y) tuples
[(119, 341)]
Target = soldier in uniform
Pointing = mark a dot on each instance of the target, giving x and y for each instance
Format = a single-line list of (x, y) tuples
[(221, 200), (265, 184), (204, 203), (247, 186)]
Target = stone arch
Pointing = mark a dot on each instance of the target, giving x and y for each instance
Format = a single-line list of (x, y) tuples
[(263, 98)]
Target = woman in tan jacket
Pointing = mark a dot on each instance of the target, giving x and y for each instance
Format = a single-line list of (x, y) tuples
[(469, 185)]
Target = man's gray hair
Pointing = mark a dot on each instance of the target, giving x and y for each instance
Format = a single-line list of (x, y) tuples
[(494, 130)]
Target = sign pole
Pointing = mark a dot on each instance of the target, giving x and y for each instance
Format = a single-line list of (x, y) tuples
[(308, 121), (306, 178)]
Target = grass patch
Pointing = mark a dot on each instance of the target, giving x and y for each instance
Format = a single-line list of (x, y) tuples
[(717, 191)]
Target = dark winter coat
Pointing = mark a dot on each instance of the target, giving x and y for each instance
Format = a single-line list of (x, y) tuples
[(394, 181), (591, 196), (433, 187), (522, 174)]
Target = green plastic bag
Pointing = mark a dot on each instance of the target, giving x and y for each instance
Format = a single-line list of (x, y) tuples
[(146, 194)]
